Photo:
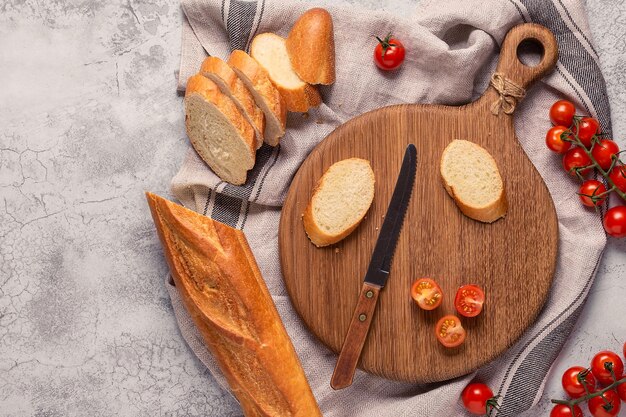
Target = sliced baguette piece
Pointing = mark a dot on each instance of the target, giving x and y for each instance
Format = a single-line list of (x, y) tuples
[(340, 200), (217, 131), (271, 53), (229, 83), (221, 287), (311, 47), (265, 94), (471, 177)]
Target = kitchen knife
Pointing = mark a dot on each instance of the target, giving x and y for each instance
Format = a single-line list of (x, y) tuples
[(377, 273)]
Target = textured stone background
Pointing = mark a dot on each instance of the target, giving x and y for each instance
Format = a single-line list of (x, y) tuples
[(89, 118)]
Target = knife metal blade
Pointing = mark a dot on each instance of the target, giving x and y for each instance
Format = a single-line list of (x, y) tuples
[(377, 273)]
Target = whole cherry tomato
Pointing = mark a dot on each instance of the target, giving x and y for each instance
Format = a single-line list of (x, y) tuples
[(602, 375), (449, 331), (603, 152), (389, 53), (562, 113), (426, 293), (615, 221), (469, 300), (572, 382), (589, 192), (554, 139), (477, 397), (587, 127), (608, 406), (621, 391), (561, 410), (576, 158), (618, 176)]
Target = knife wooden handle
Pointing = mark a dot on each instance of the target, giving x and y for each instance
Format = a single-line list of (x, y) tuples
[(355, 338)]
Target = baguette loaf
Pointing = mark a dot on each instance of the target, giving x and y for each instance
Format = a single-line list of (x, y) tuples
[(311, 47), (217, 131), (229, 83), (265, 94), (225, 295), (269, 50), (471, 177), (340, 201)]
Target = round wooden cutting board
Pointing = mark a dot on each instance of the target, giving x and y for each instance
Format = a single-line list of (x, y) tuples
[(512, 259)]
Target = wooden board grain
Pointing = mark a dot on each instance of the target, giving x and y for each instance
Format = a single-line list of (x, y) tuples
[(513, 259)]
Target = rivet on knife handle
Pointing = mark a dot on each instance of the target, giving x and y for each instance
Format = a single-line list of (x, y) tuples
[(355, 338)]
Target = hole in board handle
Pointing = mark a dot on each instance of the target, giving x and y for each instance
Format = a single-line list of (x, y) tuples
[(530, 52)]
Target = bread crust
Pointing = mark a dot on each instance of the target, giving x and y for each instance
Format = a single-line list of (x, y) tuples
[(208, 90), (311, 47), (261, 82), (215, 67), (299, 99), (223, 291)]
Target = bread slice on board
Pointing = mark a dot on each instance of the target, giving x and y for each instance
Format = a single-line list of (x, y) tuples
[(229, 83), (270, 52), (265, 94), (340, 201), (311, 47), (217, 131), (224, 293), (471, 177)]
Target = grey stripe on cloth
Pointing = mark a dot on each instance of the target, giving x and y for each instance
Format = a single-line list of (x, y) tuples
[(462, 38)]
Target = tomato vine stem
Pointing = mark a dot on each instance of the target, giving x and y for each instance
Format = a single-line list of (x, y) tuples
[(588, 396)]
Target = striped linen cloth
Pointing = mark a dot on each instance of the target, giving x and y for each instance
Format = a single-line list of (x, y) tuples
[(453, 49)]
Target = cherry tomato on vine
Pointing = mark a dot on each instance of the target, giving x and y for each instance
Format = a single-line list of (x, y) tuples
[(603, 152), (562, 113), (589, 192), (621, 391), (576, 158), (587, 127), (449, 331), (607, 407), (477, 397), (625, 349), (554, 139), (573, 386), (602, 375), (389, 53), (426, 293), (615, 222), (561, 410), (469, 300), (618, 176)]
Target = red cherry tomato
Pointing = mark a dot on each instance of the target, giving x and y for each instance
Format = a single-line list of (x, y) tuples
[(562, 113), (449, 331), (587, 127), (603, 376), (561, 410), (625, 349), (426, 293), (607, 407), (615, 221), (554, 139), (589, 192), (469, 300), (621, 391), (573, 386), (618, 176), (603, 152), (576, 158), (389, 53), (475, 397)]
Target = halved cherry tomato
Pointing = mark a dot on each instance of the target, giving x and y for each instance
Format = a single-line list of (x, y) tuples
[(574, 159), (449, 331), (587, 127), (602, 375), (469, 300), (477, 397), (426, 293), (603, 152), (562, 113), (589, 193), (572, 383), (561, 410), (554, 139), (618, 176), (608, 406)]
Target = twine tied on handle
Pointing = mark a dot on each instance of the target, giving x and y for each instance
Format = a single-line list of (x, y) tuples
[(509, 94)]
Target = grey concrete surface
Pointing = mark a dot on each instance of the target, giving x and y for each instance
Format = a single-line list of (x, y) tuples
[(89, 118)]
